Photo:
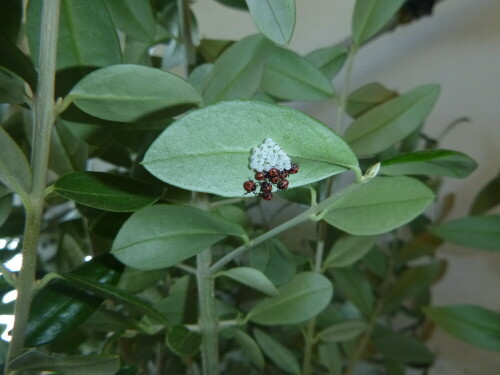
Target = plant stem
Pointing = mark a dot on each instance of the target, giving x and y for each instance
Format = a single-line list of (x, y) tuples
[(208, 320), (187, 38), (43, 115), (345, 91)]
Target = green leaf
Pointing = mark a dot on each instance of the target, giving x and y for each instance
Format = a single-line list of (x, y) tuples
[(277, 352), (237, 4), (274, 260), (66, 365), (59, 307), (173, 307), (14, 60), (15, 172), (11, 87), (328, 60), (473, 324), (252, 278), (487, 198), (348, 250), (134, 18), (370, 16), (477, 232), (67, 152), (410, 283), (343, 331), (5, 207), (107, 191), (368, 97), (237, 73), (162, 235), (403, 349), (301, 299), (430, 163), (131, 92), (182, 341), (219, 139), (353, 284), (250, 347), (289, 76), (87, 36), (11, 14), (390, 122), (379, 205), (274, 18)]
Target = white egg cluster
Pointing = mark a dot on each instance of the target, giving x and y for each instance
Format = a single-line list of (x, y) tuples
[(269, 155)]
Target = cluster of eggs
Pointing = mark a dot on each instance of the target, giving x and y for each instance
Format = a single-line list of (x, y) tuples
[(272, 166)]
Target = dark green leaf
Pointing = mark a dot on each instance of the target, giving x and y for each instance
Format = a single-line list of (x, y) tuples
[(370, 16), (238, 71), (220, 138), (274, 18), (107, 191), (11, 87), (274, 260), (59, 307), (67, 153), (379, 205), (15, 172), (250, 347), (87, 36), (403, 349), (162, 235), (132, 92), (330, 357), (134, 18), (477, 232), (289, 76), (252, 278), (11, 14), (368, 97), (237, 4), (430, 163), (173, 307), (14, 60), (234, 214), (487, 198), (182, 341), (343, 331), (301, 299), (473, 324), (353, 284), (66, 365), (277, 353), (134, 281), (390, 122), (348, 250), (5, 206), (328, 60)]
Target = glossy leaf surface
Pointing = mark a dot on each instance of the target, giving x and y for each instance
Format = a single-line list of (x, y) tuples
[(219, 139), (379, 205), (429, 163), (301, 299), (274, 18), (107, 191), (162, 235), (390, 122), (277, 352), (289, 76), (477, 232), (473, 324), (132, 92), (252, 278)]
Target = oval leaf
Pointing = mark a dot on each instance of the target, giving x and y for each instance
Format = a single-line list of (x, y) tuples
[(182, 341), (477, 232), (403, 349), (15, 172), (301, 299), (133, 92), (274, 260), (162, 235), (134, 18), (274, 18), (328, 60), (348, 250), (353, 283), (379, 205), (390, 122), (219, 139), (87, 36), (430, 163), (250, 347), (473, 324), (487, 198), (107, 191), (343, 331), (252, 278), (370, 16), (289, 76), (368, 97), (277, 352)]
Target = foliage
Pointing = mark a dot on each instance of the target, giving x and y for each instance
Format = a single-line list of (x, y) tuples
[(142, 172)]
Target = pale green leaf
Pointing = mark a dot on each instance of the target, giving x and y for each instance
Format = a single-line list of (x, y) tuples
[(15, 172), (277, 353), (328, 60), (250, 347), (343, 331), (252, 278), (219, 139), (348, 250), (368, 97), (134, 18), (274, 18)]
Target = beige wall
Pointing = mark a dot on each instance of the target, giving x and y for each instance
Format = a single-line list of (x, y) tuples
[(458, 48)]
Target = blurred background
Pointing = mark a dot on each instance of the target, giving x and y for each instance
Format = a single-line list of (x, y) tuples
[(458, 48)]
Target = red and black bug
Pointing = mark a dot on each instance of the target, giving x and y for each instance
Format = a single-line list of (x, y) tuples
[(294, 169), (282, 185), (266, 187), (266, 196), (260, 176), (273, 172), (249, 186)]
